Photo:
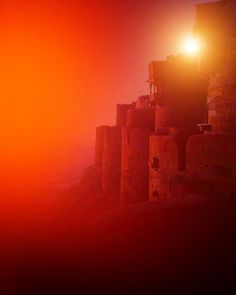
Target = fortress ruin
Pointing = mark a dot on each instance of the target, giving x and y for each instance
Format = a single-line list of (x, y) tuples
[(180, 139)]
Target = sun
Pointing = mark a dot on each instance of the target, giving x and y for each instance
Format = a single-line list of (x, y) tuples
[(191, 46)]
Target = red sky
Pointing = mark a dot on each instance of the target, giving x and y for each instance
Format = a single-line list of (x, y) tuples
[(64, 66)]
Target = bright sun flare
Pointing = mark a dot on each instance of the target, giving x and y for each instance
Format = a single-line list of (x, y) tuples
[(191, 46)]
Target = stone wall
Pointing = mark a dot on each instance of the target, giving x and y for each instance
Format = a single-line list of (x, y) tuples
[(99, 146), (121, 114), (212, 154), (222, 92), (216, 26), (111, 160), (142, 102), (160, 153), (211, 165), (167, 157), (134, 165), (141, 118), (162, 163)]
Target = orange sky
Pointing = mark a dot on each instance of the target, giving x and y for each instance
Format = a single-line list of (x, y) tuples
[(64, 66)]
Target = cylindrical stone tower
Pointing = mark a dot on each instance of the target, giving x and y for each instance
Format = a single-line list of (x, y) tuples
[(167, 159), (99, 146), (222, 93), (134, 165), (111, 159), (210, 157), (135, 152), (216, 27)]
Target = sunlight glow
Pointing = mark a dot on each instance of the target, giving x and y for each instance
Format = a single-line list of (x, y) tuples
[(191, 46)]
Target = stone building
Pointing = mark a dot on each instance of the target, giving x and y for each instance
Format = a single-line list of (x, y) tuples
[(99, 146), (181, 138), (180, 96), (135, 152), (134, 165), (111, 159), (211, 157)]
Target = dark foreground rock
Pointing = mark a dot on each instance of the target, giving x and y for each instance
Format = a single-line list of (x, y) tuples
[(182, 248)]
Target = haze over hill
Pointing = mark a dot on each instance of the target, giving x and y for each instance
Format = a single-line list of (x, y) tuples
[(64, 66), (156, 209)]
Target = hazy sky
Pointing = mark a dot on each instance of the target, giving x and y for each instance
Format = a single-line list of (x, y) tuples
[(66, 63)]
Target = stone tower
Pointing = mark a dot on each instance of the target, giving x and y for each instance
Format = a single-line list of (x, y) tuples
[(216, 28), (135, 152), (211, 157), (180, 96), (111, 160), (99, 146)]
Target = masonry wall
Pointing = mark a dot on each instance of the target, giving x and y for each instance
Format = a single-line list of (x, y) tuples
[(212, 154), (181, 114), (142, 102), (222, 92), (134, 165), (210, 157), (222, 99), (163, 163), (216, 25), (175, 161), (167, 158), (141, 118), (99, 146), (111, 160), (121, 114), (211, 165)]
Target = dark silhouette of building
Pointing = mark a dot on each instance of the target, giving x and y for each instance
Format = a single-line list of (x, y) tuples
[(180, 140)]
